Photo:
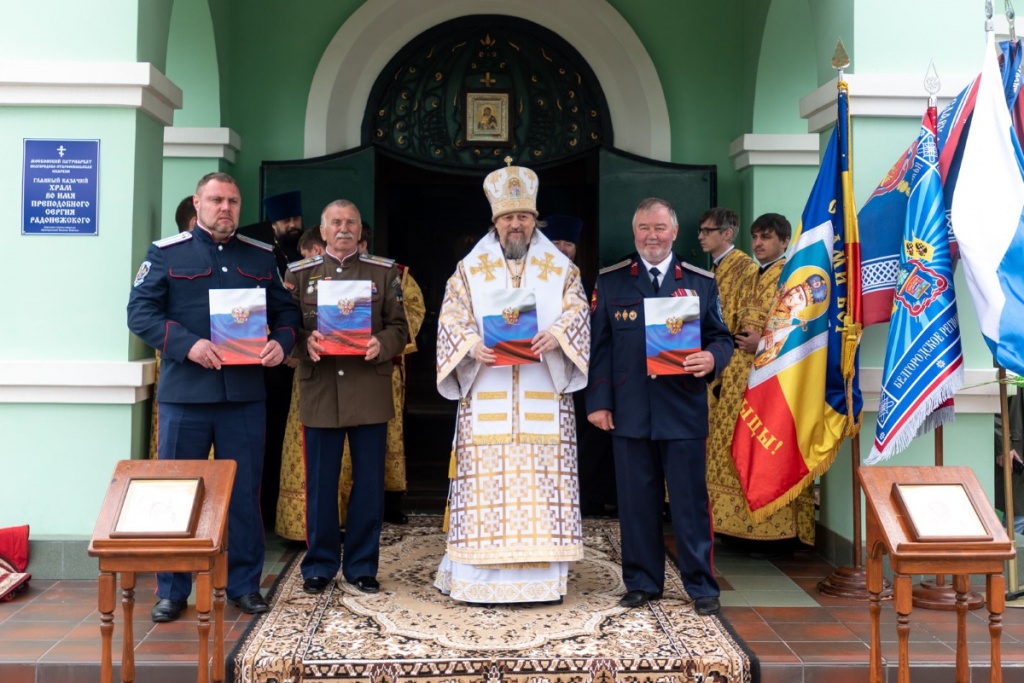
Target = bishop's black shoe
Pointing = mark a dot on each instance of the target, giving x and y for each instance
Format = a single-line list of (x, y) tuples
[(367, 584)]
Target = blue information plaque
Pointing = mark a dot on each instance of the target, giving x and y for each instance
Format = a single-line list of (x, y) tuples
[(60, 187)]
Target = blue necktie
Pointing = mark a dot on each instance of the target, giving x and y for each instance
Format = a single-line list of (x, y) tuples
[(654, 278)]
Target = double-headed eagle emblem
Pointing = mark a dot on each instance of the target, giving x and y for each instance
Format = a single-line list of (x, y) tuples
[(511, 315)]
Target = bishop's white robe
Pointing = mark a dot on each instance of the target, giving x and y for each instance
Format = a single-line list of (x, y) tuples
[(514, 500)]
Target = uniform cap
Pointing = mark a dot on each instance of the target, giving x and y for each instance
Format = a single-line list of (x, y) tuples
[(565, 228), (280, 206)]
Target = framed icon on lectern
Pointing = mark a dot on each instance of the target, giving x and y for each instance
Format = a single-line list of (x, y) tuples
[(159, 508), (940, 512)]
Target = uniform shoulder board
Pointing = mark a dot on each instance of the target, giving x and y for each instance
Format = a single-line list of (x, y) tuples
[(377, 260), (256, 243), (699, 271), (302, 264), (615, 266), (180, 238)]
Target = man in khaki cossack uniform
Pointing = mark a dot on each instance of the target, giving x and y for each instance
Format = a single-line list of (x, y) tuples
[(343, 396)]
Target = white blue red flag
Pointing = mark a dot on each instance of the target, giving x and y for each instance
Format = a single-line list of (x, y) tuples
[(923, 358), (986, 212)]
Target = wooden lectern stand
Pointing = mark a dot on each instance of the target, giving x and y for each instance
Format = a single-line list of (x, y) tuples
[(932, 520), (168, 516)]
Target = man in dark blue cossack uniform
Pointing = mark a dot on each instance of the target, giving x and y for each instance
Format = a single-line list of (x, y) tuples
[(658, 423), (202, 401)]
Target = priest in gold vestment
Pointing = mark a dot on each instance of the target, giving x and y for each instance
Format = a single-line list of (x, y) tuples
[(514, 517), (732, 268), (729, 509)]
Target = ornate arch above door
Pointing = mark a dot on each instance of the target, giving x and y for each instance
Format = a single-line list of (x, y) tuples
[(475, 90), (380, 29)]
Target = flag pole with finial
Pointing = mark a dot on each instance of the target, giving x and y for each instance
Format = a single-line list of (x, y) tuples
[(850, 582), (938, 594)]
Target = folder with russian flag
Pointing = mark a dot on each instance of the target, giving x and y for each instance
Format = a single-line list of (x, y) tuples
[(238, 324), (344, 316), (510, 324), (673, 333)]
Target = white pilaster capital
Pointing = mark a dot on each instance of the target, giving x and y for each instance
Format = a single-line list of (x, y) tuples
[(77, 382), (137, 85), (206, 143), (771, 149)]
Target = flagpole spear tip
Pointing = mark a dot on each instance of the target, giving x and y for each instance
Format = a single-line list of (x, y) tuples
[(989, 26), (1010, 16), (841, 60), (932, 84)]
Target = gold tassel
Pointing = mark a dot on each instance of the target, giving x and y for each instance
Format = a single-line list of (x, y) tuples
[(448, 503)]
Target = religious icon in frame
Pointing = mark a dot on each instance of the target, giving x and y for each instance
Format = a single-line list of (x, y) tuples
[(488, 117), (941, 512), (159, 507)]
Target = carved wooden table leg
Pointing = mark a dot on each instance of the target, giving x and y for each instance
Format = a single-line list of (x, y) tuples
[(220, 580), (874, 579), (107, 584), (903, 598), (128, 605), (204, 596), (961, 586), (995, 591)]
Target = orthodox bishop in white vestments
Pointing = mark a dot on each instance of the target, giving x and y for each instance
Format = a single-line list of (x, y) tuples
[(514, 516)]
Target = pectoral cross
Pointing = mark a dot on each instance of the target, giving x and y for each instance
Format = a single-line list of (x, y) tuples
[(546, 266), (487, 267)]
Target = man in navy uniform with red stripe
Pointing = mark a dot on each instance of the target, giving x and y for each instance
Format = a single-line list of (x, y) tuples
[(658, 424), (202, 401)]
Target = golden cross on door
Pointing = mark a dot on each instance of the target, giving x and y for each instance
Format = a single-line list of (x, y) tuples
[(486, 267), (546, 266), (487, 80)]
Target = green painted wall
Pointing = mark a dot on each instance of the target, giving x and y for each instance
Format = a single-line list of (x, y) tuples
[(832, 20), (270, 80), (780, 189), (949, 31), (699, 60), (785, 69), (192, 64), (65, 457), (70, 30), (65, 452), (102, 291), (153, 19)]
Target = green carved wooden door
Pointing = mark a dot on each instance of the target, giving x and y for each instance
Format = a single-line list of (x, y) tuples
[(626, 179), (345, 175)]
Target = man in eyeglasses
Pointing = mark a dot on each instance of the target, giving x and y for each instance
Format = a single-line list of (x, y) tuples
[(717, 234)]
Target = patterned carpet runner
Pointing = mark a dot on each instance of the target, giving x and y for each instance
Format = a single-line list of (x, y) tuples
[(409, 632)]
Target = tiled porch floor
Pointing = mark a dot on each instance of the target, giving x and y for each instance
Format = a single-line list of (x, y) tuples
[(51, 633)]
